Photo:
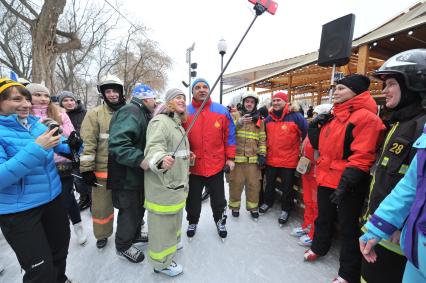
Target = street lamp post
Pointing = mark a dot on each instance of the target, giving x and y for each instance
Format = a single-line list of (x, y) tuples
[(188, 60), (221, 47)]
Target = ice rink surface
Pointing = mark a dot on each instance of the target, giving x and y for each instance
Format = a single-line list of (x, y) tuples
[(253, 252)]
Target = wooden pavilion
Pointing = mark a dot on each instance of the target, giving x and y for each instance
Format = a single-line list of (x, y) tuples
[(303, 79)]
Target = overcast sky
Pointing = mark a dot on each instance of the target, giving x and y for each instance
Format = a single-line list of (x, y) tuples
[(294, 30)]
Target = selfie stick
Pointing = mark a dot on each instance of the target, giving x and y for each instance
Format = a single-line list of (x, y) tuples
[(259, 11)]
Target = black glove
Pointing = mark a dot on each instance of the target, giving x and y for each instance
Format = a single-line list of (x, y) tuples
[(320, 120), (261, 160), (226, 169), (74, 141), (353, 180), (89, 178)]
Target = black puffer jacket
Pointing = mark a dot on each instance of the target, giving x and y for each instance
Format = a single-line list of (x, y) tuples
[(77, 115)]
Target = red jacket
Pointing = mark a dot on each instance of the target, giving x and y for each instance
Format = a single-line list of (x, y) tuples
[(283, 138), (212, 138), (350, 139)]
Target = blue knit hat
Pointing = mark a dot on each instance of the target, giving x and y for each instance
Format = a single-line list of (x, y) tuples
[(198, 80), (142, 91)]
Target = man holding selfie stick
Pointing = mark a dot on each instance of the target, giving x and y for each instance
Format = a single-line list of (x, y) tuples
[(212, 139)]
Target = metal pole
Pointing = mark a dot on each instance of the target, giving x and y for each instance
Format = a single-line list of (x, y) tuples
[(189, 73), (330, 92), (221, 77), (215, 83)]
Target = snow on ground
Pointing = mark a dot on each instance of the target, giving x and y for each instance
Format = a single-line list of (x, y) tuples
[(253, 252)]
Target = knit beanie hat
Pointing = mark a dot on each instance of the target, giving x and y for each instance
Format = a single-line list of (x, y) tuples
[(172, 93), (142, 91), (198, 80), (65, 94), (280, 95), (37, 88), (356, 82), (6, 83)]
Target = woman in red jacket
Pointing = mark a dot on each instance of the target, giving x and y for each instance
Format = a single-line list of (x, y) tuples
[(347, 145)]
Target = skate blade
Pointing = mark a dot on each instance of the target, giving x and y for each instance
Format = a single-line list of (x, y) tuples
[(281, 225), (190, 239), (255, 219), (223, 240)]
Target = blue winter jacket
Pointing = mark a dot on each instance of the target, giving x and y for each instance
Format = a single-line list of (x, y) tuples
[(28, 175), (405, 207)]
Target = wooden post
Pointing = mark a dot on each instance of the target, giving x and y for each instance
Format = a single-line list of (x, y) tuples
[(290, 80), (319, 94), (363, 56)]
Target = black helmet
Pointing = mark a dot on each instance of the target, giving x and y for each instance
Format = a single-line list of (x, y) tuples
[(410, 64)]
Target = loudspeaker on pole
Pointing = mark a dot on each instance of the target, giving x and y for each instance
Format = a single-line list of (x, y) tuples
[(336, 41)]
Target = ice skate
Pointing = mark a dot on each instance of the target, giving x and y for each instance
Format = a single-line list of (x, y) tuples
[(101, 243), (299, 232), (173, 269), (305, 241), (254, 215), (221, 228), (132, 254), (235, 213), (283, 218), (190, 232), (263, 208), (79, 233), (309, 255)]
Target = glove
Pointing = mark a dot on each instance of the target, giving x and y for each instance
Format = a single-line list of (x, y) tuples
[(89, 178), (337, 196), (74, 141), (261, 160), (320, 120)]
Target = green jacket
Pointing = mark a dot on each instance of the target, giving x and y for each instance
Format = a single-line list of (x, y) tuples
[(127, 138), (166, 192), (95, 133)]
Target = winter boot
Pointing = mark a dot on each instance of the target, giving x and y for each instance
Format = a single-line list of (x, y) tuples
[(173, 269), (235, 213), (254, 214), (305, 241), (79, 232), (132, 254), (84, 202), (101, 243), (192, 228), (299, 231), (283, 218), (263, 208)]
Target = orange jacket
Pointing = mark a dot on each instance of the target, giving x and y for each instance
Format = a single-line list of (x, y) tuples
[(212, 138), (283, 137), (350, 139)]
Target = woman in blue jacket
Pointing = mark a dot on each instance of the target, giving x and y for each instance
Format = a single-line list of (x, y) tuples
[(32, 218), (404, 207)]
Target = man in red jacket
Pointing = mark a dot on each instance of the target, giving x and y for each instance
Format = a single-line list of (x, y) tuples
[(212, 140), (285, 130)]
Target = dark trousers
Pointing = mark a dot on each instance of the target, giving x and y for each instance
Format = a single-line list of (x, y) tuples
[(129, 219), (68, 199), (389, 267), (287, 180), (81, 187), (347, 213), (217, 196), (39, 237)]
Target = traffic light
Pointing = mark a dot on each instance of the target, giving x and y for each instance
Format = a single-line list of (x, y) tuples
[(193, 69)]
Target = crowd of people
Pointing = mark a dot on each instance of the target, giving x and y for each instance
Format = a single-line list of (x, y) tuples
[(365, 172)]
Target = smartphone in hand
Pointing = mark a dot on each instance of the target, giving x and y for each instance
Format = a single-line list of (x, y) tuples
[(52, 126)]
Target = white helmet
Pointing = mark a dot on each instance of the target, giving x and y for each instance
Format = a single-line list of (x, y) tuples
[(251, 94), (323, 108), (108, 81)]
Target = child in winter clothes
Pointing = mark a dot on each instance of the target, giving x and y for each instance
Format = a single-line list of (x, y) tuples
[(43, 107)]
